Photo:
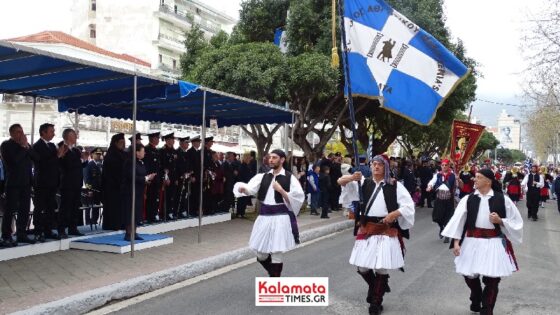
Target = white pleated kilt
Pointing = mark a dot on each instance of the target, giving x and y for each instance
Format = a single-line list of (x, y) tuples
[(272, 234), (377, 252), (484, 256)]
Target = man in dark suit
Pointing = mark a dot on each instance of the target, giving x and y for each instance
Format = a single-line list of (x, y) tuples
[(17, 155), (45, 183), (152, 161), (194, 162), (335, 174), (71, 182)]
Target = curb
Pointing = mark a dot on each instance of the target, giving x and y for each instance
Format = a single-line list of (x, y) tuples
[(87, 301)]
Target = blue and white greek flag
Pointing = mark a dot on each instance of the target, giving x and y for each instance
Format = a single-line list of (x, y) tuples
[(528, 163), (392, 59), (281, 40)]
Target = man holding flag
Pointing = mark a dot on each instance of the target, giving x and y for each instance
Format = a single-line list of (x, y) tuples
[(389, 58)]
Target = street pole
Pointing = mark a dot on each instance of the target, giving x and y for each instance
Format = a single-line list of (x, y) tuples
[(202, 148), (133, 180)]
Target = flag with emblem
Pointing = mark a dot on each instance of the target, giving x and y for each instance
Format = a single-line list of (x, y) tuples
[(395, 61)]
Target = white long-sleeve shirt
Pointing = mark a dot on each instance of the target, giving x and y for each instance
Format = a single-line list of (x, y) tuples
[(378, 208), (540, 183), (433, 181), (295, 195), (512, 223)]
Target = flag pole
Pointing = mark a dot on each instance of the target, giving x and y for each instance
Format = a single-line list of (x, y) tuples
[(348, 88)]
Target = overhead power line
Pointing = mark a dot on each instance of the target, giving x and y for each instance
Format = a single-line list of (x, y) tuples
[(504, 104)]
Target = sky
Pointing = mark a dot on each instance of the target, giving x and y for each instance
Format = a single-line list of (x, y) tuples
[(492, 32)]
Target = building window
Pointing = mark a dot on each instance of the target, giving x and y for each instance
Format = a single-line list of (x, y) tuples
[(160, 58), (197, 11), (162, 3), (175, 9), (174, 64), (92, 33), (93, 5)]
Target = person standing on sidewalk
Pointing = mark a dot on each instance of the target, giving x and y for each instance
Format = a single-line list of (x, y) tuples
[(557, 188), (17, 155), (532, 184), (384, 219), (244, 176), (314, 189), (326, 190), (483, 227), (275, 231)]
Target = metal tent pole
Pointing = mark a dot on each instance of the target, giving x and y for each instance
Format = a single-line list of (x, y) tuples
[(286, 140), (293, 129), (33, 119), (133, 179), (203, 144)]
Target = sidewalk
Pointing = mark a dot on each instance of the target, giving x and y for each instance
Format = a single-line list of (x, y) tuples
[(34, 280)]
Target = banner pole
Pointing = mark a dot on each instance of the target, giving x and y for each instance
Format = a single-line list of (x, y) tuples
[(348, 88)]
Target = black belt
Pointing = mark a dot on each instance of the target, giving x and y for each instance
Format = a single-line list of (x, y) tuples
[(374, 219)]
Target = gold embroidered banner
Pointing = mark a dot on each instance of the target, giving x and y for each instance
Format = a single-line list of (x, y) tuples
[(464, 138)]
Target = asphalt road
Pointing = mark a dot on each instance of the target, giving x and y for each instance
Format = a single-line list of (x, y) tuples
[(428, 286)]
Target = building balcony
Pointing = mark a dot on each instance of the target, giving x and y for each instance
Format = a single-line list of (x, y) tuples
[(170, 43), (167, 71), (187, 18)]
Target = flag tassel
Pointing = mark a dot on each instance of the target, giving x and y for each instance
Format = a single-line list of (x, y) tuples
[(335, 61)]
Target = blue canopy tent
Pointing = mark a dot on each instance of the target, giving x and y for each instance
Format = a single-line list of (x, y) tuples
[(102, 90), (182, 103)]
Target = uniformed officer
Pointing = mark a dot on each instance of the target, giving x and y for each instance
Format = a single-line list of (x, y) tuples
[(138, 140), (194, 166), (209, 176), (183, 187), (169, 165), (92, 178), (152, 161)]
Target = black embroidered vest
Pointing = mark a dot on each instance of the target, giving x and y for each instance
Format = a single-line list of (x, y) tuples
[(283, 180), (390, 196), (496, 204), (533, 178)]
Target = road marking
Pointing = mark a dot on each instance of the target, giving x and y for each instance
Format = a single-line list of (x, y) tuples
[(114, 307)]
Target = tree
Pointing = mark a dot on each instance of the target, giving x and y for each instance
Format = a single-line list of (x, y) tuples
[(258, 19), (220, 39), (517, 156), (195, 44), (253, 70), (508, 156), (487, 142), (542, 129), (542, 45), (542, 50)]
